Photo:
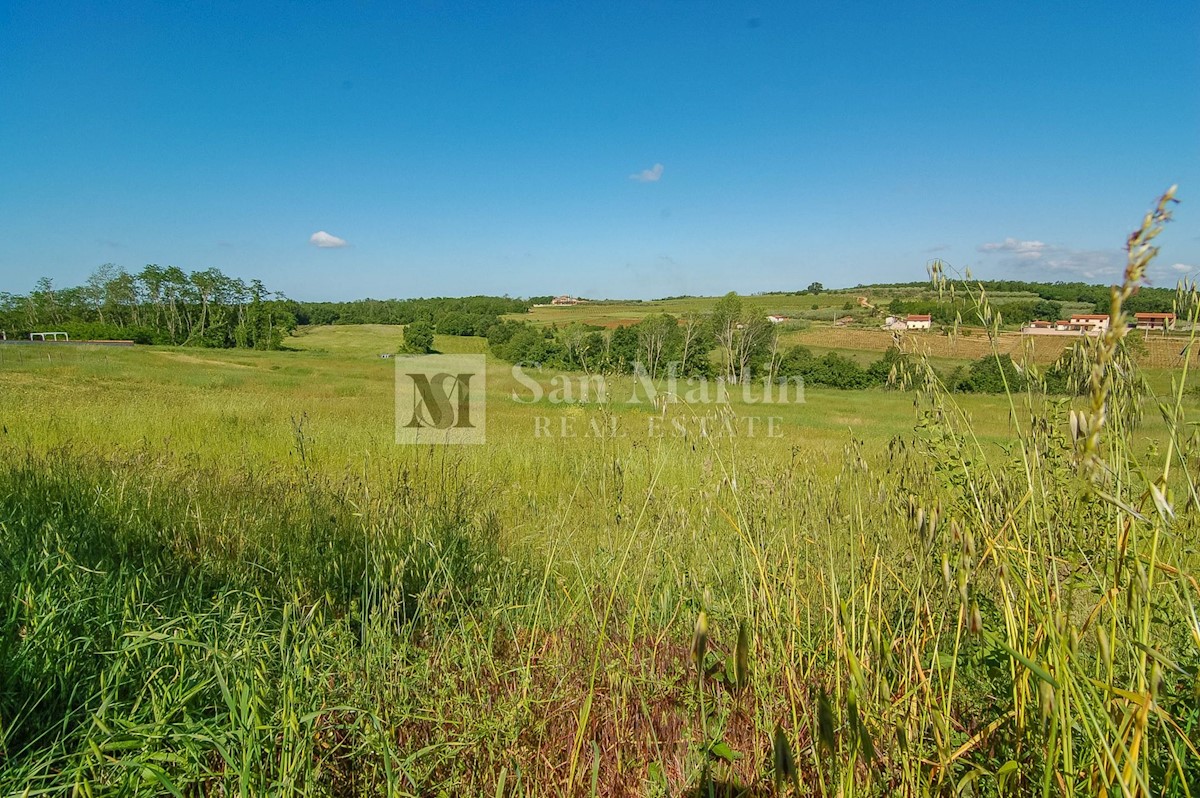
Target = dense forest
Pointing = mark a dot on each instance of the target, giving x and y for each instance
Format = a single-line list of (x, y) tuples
[(157, 305)]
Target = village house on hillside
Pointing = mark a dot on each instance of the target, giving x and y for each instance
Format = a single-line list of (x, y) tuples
[(1154, 321), (1097, 323), (918, 322), (911, 322), (1086, 323), (564, 300), (1078, 324)]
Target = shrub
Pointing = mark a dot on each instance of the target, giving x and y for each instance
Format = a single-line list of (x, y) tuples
[(990, 374), (418, 337)]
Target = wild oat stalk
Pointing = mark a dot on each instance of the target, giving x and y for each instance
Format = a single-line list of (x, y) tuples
[(1140, 252)]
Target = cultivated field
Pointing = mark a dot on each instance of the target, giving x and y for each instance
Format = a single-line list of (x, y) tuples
[(863, 339), (222, 575)]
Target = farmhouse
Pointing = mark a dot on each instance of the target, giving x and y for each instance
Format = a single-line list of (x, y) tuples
[(1090, 322), (918, 322), (1154, 321), (1083, 323), (1060, 327), (564, 300)]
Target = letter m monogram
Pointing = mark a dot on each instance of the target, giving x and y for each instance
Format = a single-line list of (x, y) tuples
[(441, 399)]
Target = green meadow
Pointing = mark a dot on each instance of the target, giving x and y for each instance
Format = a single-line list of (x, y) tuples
[(224, 576)]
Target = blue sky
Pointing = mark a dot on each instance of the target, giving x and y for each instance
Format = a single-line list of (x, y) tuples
[(614, 149)]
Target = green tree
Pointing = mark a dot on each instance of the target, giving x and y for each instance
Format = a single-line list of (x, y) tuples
[(418, 337), (726, 317), (659, 341)]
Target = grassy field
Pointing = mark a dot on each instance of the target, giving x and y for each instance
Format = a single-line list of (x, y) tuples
[(222, 575), (826, 306)]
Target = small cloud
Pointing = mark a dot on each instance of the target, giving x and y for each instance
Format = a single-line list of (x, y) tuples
[(938, 248), (326, 241), (1094, 264), (651, 175), (1183, 268), (1025, 250), (1090, 264)]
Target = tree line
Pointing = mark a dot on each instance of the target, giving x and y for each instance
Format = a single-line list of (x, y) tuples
[(728, 341), (746, 343), (471, 315), (1148, 299), (157, 305), (1019, 312)]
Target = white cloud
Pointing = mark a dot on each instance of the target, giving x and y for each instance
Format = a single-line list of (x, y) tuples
[(651, 175), (1183, 268), (326, 241), (1025, 250), (1091, 264)]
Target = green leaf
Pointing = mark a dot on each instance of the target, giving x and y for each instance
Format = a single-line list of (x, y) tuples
[(721, 750), (1038, 670)]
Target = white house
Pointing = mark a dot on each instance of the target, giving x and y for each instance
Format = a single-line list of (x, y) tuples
[(918, 322), (1089, 323)]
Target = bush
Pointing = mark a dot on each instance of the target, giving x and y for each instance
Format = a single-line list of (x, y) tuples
[(989, 375), (830, 370), (418, 337)]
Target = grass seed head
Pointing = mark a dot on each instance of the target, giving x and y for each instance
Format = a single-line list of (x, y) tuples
[(700, 641), (741, 656), (784, 761), (1046, 699), (825, 722), (1104, 646)]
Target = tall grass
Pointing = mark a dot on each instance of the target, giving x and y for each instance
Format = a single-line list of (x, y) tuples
[(934, 614)]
